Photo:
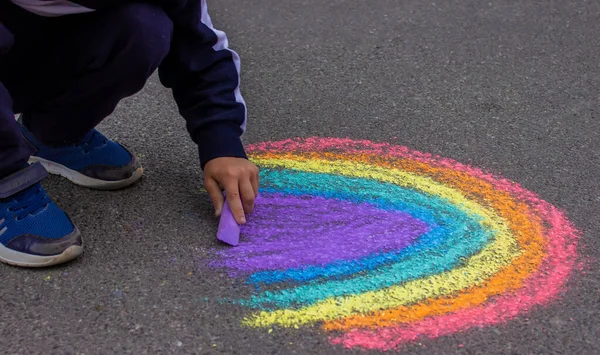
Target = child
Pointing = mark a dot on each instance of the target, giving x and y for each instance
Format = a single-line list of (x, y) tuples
[(65, 65)]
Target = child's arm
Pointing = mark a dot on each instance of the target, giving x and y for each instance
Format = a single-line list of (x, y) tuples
[(204, 76)]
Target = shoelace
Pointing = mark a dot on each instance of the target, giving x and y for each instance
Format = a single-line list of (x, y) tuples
[(92, 140), (29, 202)]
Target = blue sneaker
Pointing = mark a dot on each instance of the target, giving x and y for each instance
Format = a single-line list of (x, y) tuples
[(34, 231), (95, 162)]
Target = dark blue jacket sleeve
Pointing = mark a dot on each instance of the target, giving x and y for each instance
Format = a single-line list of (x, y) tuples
[(204, 75)]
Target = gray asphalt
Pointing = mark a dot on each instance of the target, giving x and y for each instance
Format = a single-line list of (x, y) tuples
[(511, 86)]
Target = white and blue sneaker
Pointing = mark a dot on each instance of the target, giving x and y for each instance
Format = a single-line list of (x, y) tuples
[(94, 162), (34, 231)]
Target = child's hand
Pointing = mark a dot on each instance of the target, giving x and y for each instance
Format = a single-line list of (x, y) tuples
[(239, 178)]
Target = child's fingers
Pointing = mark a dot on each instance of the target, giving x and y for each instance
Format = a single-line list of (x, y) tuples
[(215, 194), (233, 198)]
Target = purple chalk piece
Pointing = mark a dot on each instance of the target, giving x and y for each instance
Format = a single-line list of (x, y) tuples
[(229, 229)]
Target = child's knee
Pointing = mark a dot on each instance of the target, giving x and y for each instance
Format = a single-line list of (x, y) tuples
[(147, 31)]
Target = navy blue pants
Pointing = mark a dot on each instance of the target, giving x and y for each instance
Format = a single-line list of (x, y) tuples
[(66, 74)]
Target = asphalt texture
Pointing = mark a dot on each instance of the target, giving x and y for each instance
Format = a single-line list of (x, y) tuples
[(510, 86)]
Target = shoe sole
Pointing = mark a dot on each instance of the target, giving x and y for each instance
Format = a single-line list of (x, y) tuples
[(86, 181), (15, 258)]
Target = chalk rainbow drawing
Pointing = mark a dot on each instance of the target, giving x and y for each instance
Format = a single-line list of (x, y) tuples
[(380, 245)]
